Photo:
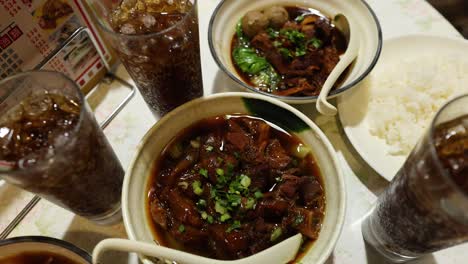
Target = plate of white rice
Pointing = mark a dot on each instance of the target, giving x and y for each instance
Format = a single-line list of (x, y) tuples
[(393, 107)]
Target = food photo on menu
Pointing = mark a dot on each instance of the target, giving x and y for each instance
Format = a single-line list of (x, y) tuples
[(233, 131)]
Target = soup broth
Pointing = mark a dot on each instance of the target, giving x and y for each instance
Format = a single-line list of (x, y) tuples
[(37, 258)]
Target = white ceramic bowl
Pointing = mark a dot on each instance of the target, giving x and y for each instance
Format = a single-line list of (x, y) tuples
[(134, 197), (32, 244), (229, 12)]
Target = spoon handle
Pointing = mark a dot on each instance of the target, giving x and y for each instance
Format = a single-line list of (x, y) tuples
[(280, 253), (322, 105), (146, 249)]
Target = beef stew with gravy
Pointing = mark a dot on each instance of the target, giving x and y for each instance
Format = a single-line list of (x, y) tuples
[(231, 186)]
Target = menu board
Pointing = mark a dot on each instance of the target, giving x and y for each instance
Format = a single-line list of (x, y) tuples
[(31, 29)]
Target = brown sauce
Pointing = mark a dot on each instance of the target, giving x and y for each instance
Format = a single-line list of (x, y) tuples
[(282, 192), (37, 258), (303, 67)]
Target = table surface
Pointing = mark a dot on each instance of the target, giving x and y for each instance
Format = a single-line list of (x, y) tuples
[(397, 18)]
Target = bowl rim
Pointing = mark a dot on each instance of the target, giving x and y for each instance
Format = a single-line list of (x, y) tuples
[(48, 240), (342, 202), (304, 99)]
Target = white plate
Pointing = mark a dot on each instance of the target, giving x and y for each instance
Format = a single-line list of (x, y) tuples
[(353, 105)]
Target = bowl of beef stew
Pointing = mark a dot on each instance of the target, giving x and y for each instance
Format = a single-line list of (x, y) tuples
[(229, 175), (287, 48)]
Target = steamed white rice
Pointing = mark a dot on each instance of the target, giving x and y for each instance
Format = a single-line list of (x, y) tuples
[(405, 98)]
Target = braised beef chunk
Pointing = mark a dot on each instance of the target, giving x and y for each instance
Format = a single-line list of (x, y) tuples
[(190, 236), (276, 155), (158, 213), (183, 209), (302, 48), (231, 244), (186, 162), (291, 184), (229, 187), (237, 136)]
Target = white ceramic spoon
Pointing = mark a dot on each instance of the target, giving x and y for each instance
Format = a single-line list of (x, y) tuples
[(346, 26), (278, 254)]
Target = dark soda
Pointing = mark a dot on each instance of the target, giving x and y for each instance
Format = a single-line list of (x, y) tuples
[(423, 210), (159, 46), (51, 146)]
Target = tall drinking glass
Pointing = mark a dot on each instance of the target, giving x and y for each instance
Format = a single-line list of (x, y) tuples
[(158, 43), (425, 208), (51, 145)]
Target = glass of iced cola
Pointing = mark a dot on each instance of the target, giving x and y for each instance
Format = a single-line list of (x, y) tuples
[(425, 208), (158, 43), (51, 145)]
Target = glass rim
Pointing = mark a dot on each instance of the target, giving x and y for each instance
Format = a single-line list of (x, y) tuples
[(80, 97), (152, 34), (433, 150), (48, 240)]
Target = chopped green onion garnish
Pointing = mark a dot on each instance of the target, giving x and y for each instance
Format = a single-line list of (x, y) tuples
[(219, 159), (272, 33), (317, 43), (298, 220), (213, 193), (299, 19), (300, 52), (225, 217), (197, 189), (219, 208), (181, 228), (293, 35), (235, 225), (276, 234), (285, 53), (234, 199), (204, 215), (258, 194), (277, 44), (210, 219), (229, 169), (220, 172), (250, 203), (209, 148), (201, 203), (245, 181), (203, 172)]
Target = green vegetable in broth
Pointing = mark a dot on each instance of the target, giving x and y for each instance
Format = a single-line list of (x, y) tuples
[(268, 77), (243, 39), (249, 62)]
